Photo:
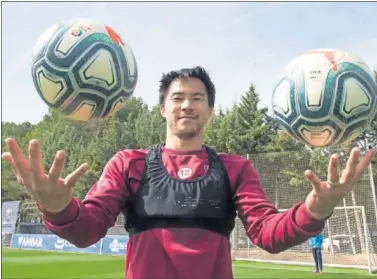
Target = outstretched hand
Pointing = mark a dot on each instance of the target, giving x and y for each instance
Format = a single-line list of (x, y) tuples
[(327, 194), (52, 192)]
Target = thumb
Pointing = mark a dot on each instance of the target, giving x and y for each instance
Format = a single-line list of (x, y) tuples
[(75, 175), (314, 180)]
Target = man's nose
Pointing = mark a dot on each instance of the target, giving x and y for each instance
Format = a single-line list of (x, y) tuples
[(186, 105)]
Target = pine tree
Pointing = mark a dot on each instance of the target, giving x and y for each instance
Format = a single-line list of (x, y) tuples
[(253, 128)]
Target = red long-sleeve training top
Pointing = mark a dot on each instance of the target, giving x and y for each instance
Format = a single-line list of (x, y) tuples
[(181, 253)]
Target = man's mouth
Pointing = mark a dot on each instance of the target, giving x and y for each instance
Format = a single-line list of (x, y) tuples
[(187, 117)]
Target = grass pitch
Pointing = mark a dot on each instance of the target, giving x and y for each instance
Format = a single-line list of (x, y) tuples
[(18, 264)]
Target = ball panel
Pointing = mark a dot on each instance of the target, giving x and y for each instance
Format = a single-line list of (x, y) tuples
[(287, 129), (314, 94), (52, 88), (74, 33), (285, 92), (81, 46), (313, 102), (85, 70), (83, 112), (130, 60), (335, 96), (352, 131), (281, 101), (73, 108), (82, 65), (355, 97), (321, 133), (77, 30), (129, 81), (57, 58), (317, 137), (121, 97), (99, 69), (115, 107), (53, 75), (127, 51), (348, 71)]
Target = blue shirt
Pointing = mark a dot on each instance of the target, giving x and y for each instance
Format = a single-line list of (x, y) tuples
[(316, 241)]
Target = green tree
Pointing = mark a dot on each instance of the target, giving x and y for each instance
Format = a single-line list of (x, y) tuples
[(253, 128)]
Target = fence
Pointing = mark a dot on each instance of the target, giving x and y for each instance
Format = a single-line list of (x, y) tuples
[(109, 245), (347, 243), (349, 232), (282, 177)]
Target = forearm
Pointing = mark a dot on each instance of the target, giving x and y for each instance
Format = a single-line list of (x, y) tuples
[(81, 223), (84, 223), (266, 227), (278, 231), (320, 208)]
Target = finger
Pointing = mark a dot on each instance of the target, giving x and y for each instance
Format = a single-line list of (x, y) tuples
[(314, 180), (20, 162), (8, 157), (364, 164), (351, 166), (75, 176), (36, 165), (57, 166), (21, 181), (334, 169)]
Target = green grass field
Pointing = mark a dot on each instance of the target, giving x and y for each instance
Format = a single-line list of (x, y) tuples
[(39, 264)]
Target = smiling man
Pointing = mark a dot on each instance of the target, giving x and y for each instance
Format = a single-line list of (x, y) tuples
[(180, 198)]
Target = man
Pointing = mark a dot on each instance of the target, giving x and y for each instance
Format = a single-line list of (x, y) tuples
[(180, 199), (315, 243)]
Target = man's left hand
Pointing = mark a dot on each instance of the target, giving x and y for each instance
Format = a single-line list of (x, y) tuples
[(326, 195)]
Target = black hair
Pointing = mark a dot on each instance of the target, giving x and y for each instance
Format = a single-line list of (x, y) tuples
[(197, 72)]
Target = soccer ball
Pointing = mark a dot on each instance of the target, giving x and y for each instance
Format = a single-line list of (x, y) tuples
[(83, 69), (325, 97)]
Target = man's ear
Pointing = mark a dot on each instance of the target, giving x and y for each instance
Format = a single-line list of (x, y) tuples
[(210, 112), (162, 110)]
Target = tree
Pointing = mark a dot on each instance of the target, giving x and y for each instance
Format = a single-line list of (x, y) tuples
[(253, 130)]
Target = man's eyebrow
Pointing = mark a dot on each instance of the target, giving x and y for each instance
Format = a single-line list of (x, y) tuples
[(199, 94), (181, 93), (176, 94)]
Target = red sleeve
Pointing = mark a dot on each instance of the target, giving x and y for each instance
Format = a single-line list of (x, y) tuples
[(83, 223), (266, 227)]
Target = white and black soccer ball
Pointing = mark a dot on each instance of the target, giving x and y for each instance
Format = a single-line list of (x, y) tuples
[(83, 69), (325, 97)]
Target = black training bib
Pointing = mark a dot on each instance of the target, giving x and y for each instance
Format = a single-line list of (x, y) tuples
[(163, 201)]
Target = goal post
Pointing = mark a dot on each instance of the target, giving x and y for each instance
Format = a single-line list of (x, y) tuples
[(347, 243)]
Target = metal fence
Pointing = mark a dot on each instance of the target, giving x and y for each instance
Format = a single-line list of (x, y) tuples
[(282, 177)]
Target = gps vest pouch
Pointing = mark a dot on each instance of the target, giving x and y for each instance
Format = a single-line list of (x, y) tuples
[(163, 201)]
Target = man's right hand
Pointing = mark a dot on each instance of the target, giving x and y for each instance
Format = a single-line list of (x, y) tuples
[(51, 192)]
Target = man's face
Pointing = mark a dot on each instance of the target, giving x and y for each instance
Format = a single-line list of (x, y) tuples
[(185, 107)]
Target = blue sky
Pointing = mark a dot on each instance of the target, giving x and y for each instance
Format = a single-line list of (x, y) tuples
[(238, 43)]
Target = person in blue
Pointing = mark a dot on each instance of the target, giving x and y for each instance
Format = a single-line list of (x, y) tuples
[(315, 243)]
